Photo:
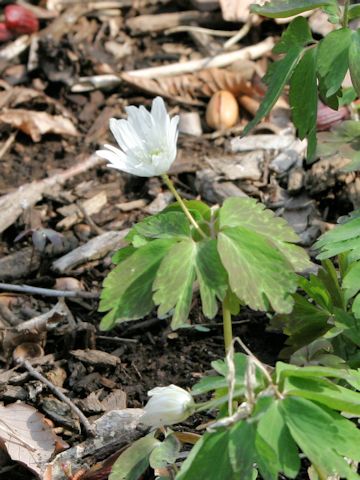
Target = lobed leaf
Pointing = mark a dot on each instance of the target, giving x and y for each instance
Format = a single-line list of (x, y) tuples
[(174, 281), (345, 237), (324, 436), (280, 73), (258, 273), (288, 8), (304, 113), (354, 60), (325, 392), (273, 431), (209, 459), (131, 281), (211, 275), (132, 463), (333, 59), (297, 34)]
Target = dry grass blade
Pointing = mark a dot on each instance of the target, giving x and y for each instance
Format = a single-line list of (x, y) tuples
[(188, 88), (26, 436)]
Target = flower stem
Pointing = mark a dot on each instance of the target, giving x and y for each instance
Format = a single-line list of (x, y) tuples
[(345, 19), (227, 324), (180, 201)]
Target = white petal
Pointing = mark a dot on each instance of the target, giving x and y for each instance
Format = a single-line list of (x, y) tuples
[(125, 138), (120, 162), (158, 111)]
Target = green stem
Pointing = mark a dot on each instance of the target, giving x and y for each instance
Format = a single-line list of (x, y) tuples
[(228, 336), (345, 19), (180, 201)]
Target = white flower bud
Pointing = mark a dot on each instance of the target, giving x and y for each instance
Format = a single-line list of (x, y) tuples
[(147, 141), (167, 406)]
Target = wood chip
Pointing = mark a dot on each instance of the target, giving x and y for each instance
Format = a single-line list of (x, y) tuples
[(96, 357), (94, 249), (74, 214)]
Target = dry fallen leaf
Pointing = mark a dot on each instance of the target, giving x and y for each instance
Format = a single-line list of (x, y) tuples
[(36, 123), (187, 88), (26, 437)]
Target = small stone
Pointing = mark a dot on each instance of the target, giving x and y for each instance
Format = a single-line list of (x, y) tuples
[(296, 180), (214, 191), (284, 161), (190, 124), (263, 142), (162, 200), (245, 166)]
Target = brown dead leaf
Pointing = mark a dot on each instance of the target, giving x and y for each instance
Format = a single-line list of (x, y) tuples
[(235, 10), (187, 88), (26, 436), (36, 123), (17, 95)]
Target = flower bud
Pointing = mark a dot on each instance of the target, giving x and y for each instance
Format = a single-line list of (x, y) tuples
[(327, 117), (167, 406), (222, 110), (20, 20)]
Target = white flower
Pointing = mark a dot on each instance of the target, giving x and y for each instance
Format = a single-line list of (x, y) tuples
[(167, 406), (147, 141)]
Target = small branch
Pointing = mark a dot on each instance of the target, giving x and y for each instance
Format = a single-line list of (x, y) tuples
[(206, 31), (244, 30), (46, 292), (34, 373), (253, 52)]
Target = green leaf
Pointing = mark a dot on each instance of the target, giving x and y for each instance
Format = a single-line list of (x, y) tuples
[(165, 453), (288, 8), (324, 436), (344, 237), (127, 290), (198, 209), (351, 280), (324, 391), (353, 12), (207, 384), (248, 213), (258, 273), (334, 50), (281, 72), (174, 281), (242, 449), (122, 254), (303, 325), (304, 112), (132, 463), (285, 370), (209, 459), (297, 34), (164, 225), (211, 275), (274, 432), (349, 324), (354, 60)]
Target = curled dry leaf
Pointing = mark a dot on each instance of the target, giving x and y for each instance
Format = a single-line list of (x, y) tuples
[(17, 95), (26, 436), (37, 124), (187, 88)]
